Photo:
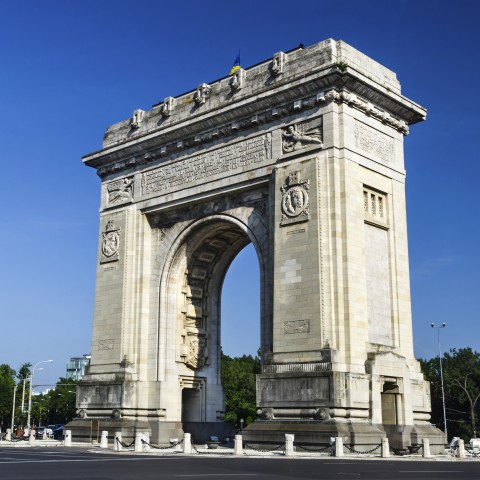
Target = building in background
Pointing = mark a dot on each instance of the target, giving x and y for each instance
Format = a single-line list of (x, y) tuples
[(76, 367)]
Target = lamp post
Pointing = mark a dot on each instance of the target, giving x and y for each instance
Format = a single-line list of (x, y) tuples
[(13, 407), (32, 371), (441, 376)]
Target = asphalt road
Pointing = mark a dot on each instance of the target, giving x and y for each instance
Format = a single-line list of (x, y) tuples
[(81, 464)]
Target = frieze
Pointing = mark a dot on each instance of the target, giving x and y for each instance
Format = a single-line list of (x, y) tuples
[(267, 116), (226, 159)]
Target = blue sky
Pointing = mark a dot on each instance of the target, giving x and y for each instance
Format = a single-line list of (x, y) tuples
[(71, 68)]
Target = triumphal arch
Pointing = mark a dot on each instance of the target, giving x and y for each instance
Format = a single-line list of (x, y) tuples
[(302, 156)]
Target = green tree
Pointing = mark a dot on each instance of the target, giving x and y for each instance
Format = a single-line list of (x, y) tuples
[(7, 385), (238, 380), (461, 374), (61, 402)]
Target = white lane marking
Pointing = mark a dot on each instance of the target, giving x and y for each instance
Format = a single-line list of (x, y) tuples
[(218, 475), (130, 459), (430, 471)]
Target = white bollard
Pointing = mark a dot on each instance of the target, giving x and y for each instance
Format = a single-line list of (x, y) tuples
[(426, 447), (187, 443), (117, 446), (104, 439), (289, 438), (44, 435), (68, 438), (238, 445), (146, 440), (138, 442), (461, 448), (338, 447), (31, 438), (385, 448), (8, 437)]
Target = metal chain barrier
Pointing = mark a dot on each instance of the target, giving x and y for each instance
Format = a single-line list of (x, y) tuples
[(414, 449), (313, 449), (246, 445), (397, 451), (209, 453), (472, 452), (158, 447), (124, 445), (351, 449)]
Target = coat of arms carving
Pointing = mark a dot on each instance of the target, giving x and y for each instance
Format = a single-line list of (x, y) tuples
[(196, 351), (111, 243), (295, 200)]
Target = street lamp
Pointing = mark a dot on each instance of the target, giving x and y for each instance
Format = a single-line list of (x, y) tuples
[(441, 376), (32, 371)]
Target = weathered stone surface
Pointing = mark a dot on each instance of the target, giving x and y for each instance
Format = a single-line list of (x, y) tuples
[(301, 155)]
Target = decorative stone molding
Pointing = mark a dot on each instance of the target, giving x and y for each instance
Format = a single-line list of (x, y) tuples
[(322, 413), (297, 367), (238, 79), (278, 63), (168, 106), (111, 243), (263, 117), (120, 191), (137, 118), (363, 105), (201, 94), (295, 200)]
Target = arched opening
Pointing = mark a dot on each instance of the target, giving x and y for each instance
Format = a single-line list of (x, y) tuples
[(240, 312), (213, 287)]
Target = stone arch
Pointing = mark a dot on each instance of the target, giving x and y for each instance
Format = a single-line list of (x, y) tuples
[(198, 255)]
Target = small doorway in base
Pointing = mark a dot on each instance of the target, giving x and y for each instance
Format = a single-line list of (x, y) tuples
[(193, 399), (391, 401)]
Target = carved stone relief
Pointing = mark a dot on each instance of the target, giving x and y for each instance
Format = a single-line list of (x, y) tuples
[(295, 200), (120, 191), (296, 326), (302, 135), (196, 351), (111, 243)]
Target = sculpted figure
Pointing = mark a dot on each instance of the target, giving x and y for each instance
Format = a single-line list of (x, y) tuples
[(294, 138)]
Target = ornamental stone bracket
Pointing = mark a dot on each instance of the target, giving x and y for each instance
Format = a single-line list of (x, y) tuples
[(295, 200), (111, 243)]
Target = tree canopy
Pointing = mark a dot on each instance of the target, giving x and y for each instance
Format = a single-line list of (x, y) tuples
[(461, 375), (238, 380)]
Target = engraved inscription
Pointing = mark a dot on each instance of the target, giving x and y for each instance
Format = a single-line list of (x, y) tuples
[(374, 143), (296, 326), (295, 232), (227, 159)]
